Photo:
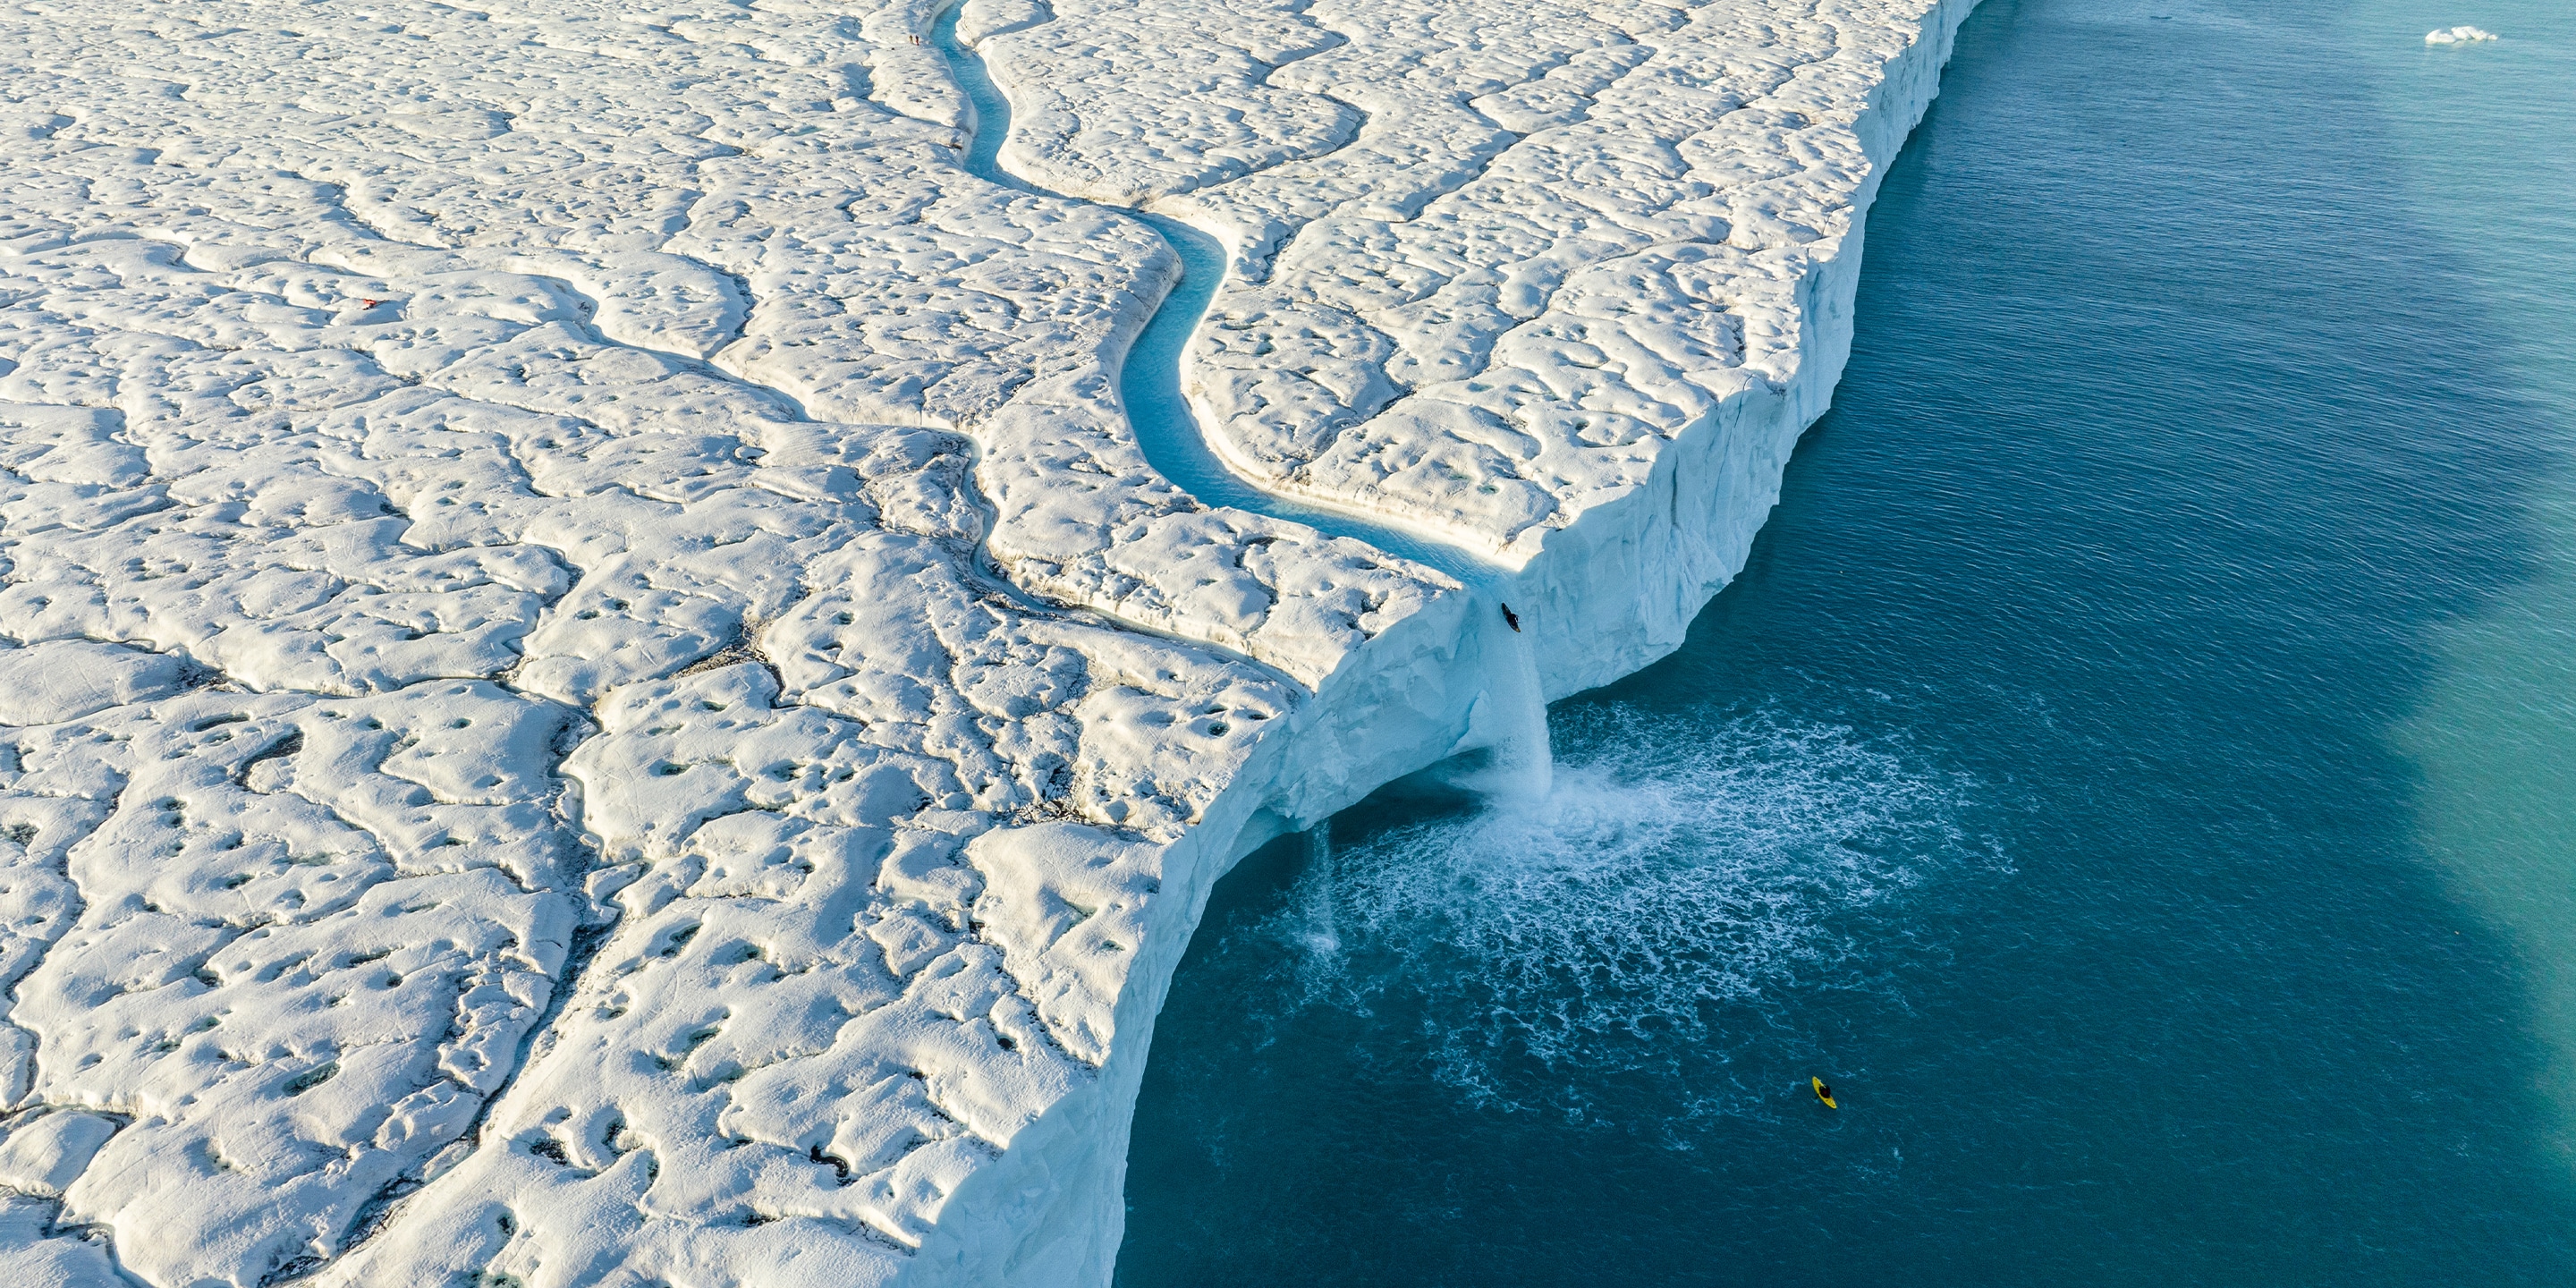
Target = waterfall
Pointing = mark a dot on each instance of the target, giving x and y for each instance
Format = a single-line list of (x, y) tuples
[(1509, 719)]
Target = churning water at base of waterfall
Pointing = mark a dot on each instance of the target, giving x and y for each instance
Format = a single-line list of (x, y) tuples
[(2138, 768)]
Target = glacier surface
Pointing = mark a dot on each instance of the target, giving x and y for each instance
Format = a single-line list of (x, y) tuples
[(595, 687)]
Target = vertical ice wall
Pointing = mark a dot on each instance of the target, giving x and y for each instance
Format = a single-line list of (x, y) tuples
[(593, 685), (1556, 286)]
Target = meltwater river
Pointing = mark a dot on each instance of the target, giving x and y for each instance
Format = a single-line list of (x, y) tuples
[(2138, 768)]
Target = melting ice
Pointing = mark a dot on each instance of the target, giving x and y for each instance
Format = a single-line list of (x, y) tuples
[(1673, 869)]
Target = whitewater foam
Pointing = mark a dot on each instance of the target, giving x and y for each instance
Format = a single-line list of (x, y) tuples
[(722, 562), (1673, 874)]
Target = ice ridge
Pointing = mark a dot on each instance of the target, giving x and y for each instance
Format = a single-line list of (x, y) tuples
[(596, 687)]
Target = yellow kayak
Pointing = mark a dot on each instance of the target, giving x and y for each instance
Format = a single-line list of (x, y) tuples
[(1824, 1093)]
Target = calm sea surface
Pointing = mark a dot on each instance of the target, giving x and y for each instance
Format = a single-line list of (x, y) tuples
[(2138, 768)]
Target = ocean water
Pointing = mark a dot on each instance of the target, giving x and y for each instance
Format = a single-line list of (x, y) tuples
[(2138, 768)]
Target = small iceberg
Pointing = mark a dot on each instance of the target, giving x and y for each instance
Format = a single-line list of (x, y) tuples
[(2463, 35)]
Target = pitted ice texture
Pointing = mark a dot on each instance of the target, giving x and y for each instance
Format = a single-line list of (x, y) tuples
[(1488, 257), (594, 688)]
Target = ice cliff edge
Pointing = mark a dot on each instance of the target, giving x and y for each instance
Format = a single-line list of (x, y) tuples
[(594, 688)]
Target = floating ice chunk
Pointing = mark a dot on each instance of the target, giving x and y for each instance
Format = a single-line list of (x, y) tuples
[(2460, 35)]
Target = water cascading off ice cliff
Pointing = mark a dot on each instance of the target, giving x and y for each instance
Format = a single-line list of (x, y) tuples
[(596, 685)]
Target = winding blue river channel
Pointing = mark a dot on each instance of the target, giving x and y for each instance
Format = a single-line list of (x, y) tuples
[(1149, 380), (2138, 769)]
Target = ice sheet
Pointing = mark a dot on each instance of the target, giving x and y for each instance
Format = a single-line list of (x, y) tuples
[(597, 689)]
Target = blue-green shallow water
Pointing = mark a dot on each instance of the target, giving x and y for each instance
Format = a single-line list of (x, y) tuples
[(2137, 768)]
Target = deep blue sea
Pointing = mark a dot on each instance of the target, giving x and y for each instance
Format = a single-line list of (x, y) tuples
[(2138, 768)]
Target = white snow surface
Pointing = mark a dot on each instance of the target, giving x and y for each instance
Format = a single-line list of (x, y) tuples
[(594, 689), (2461, 35)]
